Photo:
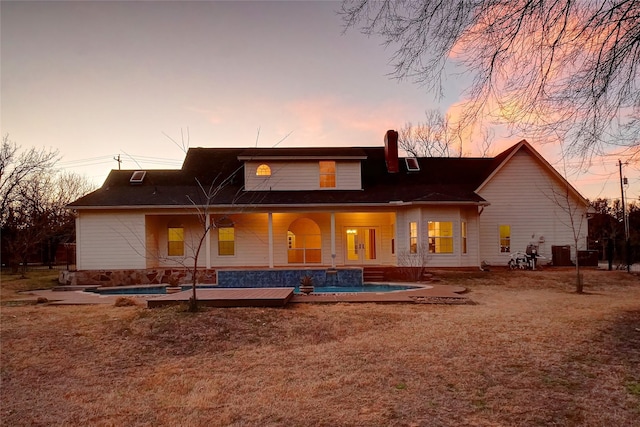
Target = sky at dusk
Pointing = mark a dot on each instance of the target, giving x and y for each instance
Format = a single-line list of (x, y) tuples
[(95, 80)]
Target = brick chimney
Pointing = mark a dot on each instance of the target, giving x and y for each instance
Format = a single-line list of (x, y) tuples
[(391, 151)]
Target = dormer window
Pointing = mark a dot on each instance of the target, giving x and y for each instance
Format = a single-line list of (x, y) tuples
[(263, 170), (328, 174)]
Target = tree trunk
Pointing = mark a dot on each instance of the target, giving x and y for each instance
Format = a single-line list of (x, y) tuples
[(193, 301), (579, 277)]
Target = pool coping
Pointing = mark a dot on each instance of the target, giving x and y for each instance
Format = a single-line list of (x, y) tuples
[(427, 293)]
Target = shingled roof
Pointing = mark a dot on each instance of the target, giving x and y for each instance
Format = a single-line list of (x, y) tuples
[(439, 180)]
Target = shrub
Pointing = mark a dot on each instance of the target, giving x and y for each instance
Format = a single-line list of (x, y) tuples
[(125, 302)]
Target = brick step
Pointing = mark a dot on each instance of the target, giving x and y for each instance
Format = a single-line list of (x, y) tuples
[(373, 274)]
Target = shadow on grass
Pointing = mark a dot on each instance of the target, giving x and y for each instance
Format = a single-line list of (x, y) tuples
[(622, 337), (605, 369)]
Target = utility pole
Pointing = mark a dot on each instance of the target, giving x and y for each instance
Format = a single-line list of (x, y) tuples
[(117, 159), (627, 242)]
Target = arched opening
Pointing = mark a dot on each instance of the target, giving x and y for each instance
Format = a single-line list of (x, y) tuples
[(304, 242)]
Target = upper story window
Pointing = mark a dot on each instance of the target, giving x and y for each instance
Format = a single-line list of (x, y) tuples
[(263, 170), (328, 174)]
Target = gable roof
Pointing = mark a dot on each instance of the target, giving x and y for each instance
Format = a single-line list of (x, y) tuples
[(503, 158), (439, 180), (303, 153)]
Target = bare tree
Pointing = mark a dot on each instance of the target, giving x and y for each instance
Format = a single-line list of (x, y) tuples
[(203, 203), (439, 136), (25, 227), (206, 224), (574, 217), (432, 138), (16, 167), (412, 265), (566, 68), (36, 220)]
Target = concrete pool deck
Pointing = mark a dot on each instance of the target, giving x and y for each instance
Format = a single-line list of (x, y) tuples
[(438, 294)]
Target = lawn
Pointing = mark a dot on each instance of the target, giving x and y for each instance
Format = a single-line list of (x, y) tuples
[(528, 352)]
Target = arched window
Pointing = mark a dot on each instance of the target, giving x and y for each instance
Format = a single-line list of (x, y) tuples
[(304, 243), (263, 170)]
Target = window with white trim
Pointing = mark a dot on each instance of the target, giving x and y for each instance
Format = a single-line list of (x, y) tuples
[(440, 237), (175, 241), (327, 174), (505, 238), (226, 241), (413, 237), (463, 236)]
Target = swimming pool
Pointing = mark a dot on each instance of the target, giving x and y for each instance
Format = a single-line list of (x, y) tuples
[(161, 290), (357, 289)]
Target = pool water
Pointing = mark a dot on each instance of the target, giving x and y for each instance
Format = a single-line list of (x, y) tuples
[(142, 290), (357, 289), (161, 290)]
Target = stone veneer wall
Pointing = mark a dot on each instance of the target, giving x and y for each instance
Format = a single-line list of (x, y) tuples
[(152, 276)]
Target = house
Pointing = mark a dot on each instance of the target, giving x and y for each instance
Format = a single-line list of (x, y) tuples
[(325, 208)]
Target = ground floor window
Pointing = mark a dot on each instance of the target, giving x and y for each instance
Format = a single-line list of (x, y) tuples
[(463, 236), (175, 241), (304, 242), (505, 238), (226, 241), (440, 237), (413, 237)]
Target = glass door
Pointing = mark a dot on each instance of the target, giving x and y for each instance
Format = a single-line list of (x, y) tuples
[(361, 245)]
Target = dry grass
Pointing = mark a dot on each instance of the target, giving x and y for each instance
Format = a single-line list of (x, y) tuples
[(530, 352), (14, 287)]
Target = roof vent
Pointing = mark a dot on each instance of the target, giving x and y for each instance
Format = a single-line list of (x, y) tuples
[(412, 164), (137, 177)]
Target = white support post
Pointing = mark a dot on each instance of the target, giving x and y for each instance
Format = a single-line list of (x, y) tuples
[(207, 243), (270, 222), (333, 240)]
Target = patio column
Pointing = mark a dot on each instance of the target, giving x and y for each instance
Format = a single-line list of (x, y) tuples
[(207, 243), (333, 240), (270, 227)]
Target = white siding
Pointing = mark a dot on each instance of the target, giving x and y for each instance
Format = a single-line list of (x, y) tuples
[(110, 240), (382, 222), (157, 241), (300, 175), (251, 245), (526, 196), (403, 218), (252, 239), (348, 176), (455, 215)]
